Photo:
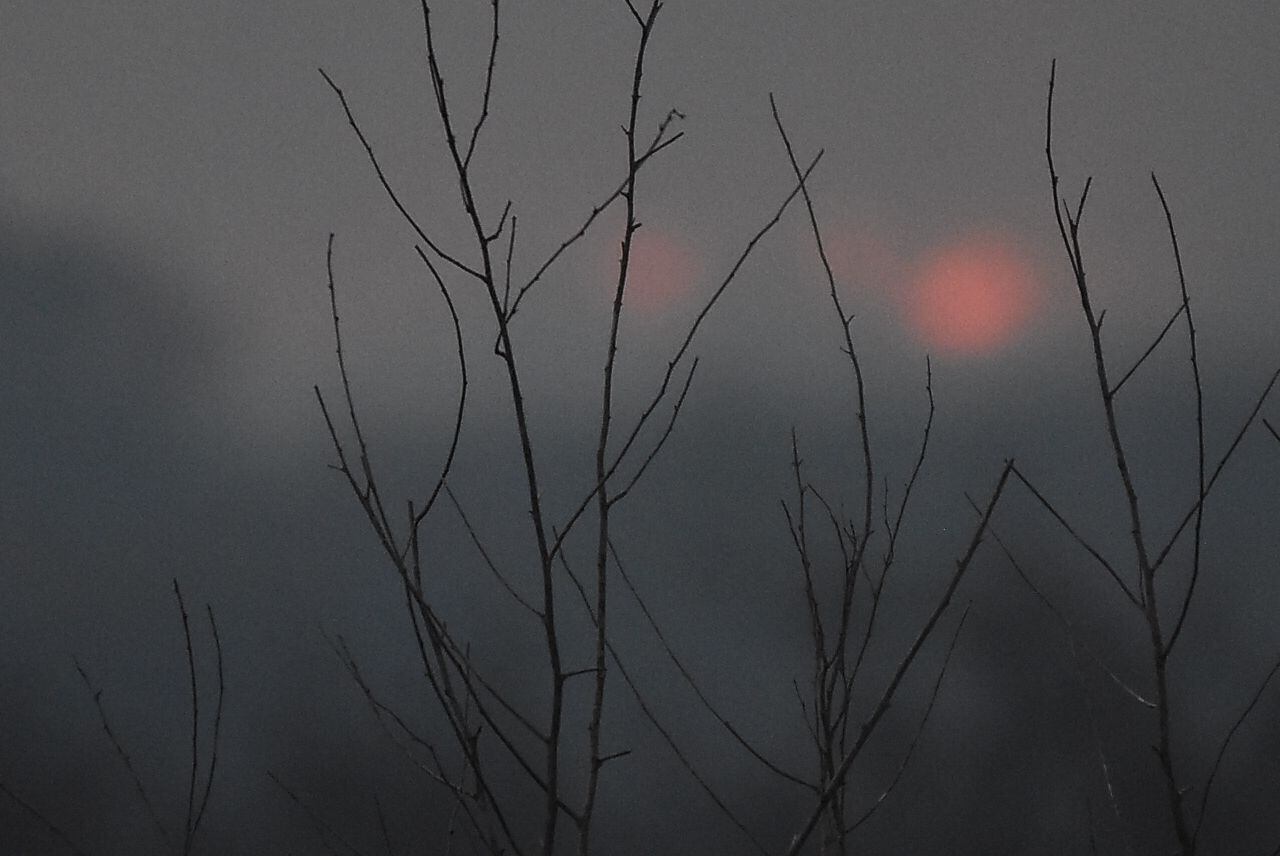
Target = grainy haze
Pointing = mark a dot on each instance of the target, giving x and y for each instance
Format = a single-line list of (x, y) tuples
[(169, 173)]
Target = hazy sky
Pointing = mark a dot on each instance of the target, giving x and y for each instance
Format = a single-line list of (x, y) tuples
[(170, 172)]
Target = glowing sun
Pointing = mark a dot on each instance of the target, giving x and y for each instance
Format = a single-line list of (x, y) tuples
[(972, 296), (662, 272)]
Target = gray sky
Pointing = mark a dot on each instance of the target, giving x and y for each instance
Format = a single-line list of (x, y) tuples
[(169, 173)]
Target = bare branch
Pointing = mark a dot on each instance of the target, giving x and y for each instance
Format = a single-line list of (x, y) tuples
[(1217, 471), (693, 684), (367, 492), (506, 273), (52, 828), (886, 697), (894, 529), (1068, 626), (1222, 750), (1077, 537), (382, 825), (1104, 765), (1271, 428), (386, 185), (123, 755), (680, 755), (484, 554), (1195, 377), (1150, 348), (195, 723), (658, 144), (326, 831), (488, 87), (915, 738), (217, 724), (662, 439), (462, 390)]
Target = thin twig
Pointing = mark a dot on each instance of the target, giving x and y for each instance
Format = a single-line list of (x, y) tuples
[(621, 494), (604, 502), (217, 725), (1115, 390), (1222, 750), (656, 146), (1077, 537), (1271, 428), (438, 775), (317, 822), (1068, 626), (50, 827), (1217, 471), (506, 272), (123, 755), (1199, 418), (195, 724), (380, 708), (693, 684), (836, 785), (457, 714), (386, 185), (680, 755), (915, 739), (915, 470), (488, 87), (367, 493), (484, 554), (1108, 779), (382, 825), (462, 391)]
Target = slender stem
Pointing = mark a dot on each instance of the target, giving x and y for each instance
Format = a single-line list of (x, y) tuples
[(603, 500), (1199, 419)]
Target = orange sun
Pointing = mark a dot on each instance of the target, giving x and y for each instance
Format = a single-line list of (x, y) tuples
[(972, 296)]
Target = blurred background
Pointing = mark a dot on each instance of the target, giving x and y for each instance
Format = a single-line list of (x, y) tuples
[(170, 173)]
